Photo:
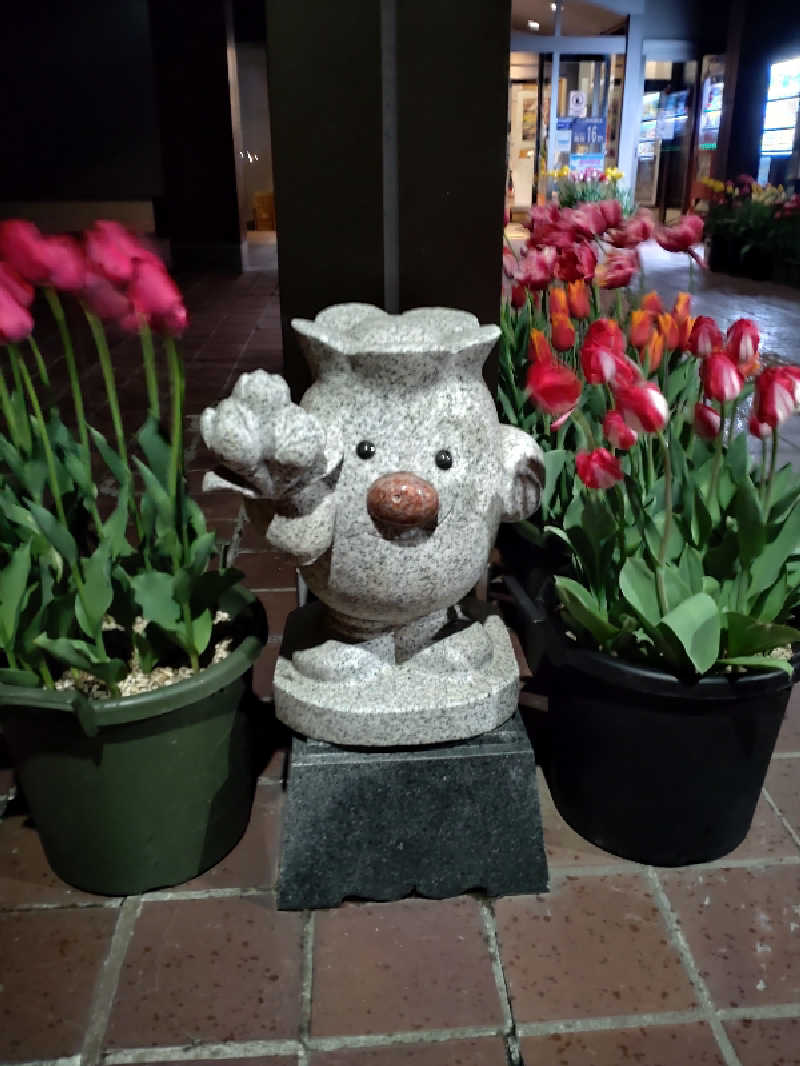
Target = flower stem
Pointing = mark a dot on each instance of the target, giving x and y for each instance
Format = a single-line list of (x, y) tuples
[(40, 367), (8, 410), (762, 478), (176, 430), (770, 478), (662, 551), (712, 488), (56, 307), (48, 448), (583, 422), (22, 424), (149, 360)]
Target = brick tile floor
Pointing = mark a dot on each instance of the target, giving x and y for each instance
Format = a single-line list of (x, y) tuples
[(617, 964)]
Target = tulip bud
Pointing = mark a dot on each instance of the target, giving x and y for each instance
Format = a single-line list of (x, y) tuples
[(617, 432), (519, 294), (557, 301), (598, 469), (668, 328), (15, 320), (742, 341), (640, 328), (721, 380), (707, 421), (578, 299), (652, 302), (705, 337), (562, 333), (643, 406), (553, 387), (777, 396), (539, 349)]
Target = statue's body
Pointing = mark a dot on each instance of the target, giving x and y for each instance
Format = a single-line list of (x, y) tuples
[(386, 485)]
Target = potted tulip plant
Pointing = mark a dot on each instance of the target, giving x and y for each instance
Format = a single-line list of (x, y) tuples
[(670, 617), (124, 654)]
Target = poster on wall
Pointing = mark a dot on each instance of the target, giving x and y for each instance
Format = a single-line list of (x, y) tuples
[(563, 136), (588, 145)]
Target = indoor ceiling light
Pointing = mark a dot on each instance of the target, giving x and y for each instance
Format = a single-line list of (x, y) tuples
[(554, 7), (533, 24)]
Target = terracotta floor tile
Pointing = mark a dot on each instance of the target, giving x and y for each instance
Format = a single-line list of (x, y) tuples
[(278, 605), (25, 876), (743, 927), (49, 964), (209, 970), (789, 736), (416, 964), (660, 1045), (592, 946), (253, 863), (267, 570), (783, 785), (270, 1060), (488, 1051), (775, 1042), (564, 846)]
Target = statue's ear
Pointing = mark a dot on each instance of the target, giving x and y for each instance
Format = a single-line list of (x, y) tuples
[(523, 474)]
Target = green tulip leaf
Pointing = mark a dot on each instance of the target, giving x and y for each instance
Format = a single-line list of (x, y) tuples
[(748, 636), (13, 583), (637, 583), (584, 609), (154, 592), (759, 662), (553, 465), (60, 537), (111, 458), (749, 517), (694, 627), (766, 568)]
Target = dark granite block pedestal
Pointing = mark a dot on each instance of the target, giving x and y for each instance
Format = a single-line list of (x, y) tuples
[(438, 821)]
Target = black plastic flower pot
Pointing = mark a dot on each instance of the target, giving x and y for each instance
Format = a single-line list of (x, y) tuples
[(141, 792), (645, 766)]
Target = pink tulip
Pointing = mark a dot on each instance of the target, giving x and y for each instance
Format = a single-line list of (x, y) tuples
[(15, 320), (105, 299), (67, 264), (576, 263), (509, 263), (682, 235), (598, 469), (535, 270), (721, 380), (25, 250), (633, 231), (173, 323), (617, 270), (16, 285), (742, 341), (612, 212), (617, 432), (643, 406), (706, 421), (152, 291)]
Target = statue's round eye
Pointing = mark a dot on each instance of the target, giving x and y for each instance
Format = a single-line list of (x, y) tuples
[(443, 459), (365, 449)]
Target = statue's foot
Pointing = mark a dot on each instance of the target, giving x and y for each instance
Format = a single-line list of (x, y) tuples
[(468, 651), (345, 664)]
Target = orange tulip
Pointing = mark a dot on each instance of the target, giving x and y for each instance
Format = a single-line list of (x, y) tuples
[(562, 333), (539, 350), (684, 332), (578, 299), (558, 302), (652, 302), (640, 328), (654, 352), (683, 307), (668, 328)]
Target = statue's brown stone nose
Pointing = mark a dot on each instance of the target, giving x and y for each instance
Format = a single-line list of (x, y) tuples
[(403, 500)]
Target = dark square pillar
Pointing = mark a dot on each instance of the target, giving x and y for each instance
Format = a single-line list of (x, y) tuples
[(198, 105)]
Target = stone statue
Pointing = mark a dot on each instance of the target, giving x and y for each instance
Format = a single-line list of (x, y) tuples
[(386, 485)]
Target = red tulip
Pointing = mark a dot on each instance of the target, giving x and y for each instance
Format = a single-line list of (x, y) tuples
[(668, 328), (24, 249), (519, 294), (617, 432), (759, 429), (67, 264), (598, 469), (152, 291), (612, 211), (707, 421), (603, 346), (562, 333), (553, 387), (777, 396), (640, 328), (705, 337), (721, 380), (575, 263), (15, 320), (539, 350), (633, 231), (105, 299), (652, 302), (16, 285), (682, 307), (578, 299), (588, 220), (742, 341), (557, 301), (643, 406), (535, 270), (682, 235), (617, 270)]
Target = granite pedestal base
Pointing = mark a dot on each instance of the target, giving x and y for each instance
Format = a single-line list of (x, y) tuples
[(437, 821)]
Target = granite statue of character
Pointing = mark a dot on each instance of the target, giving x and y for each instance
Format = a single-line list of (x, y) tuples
[(386, 485)]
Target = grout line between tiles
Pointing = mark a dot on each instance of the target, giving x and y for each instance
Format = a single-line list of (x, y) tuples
[(197, 1052), (307, 978), (765, 1013), (412, 1036), (614, 1021), (72, 905), (509, 1029), (106, 988), (782, 818), (698, 984), (173, 895), (65, 1060)]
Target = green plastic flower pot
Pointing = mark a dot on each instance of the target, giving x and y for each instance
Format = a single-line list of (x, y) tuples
[(145, 791)]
